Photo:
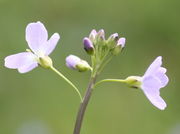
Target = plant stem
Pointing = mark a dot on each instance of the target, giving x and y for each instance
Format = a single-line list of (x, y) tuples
[(83, 106), (67, 80), (110, 80)]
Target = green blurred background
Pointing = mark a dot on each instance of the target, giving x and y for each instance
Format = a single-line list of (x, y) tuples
[(39, 102)]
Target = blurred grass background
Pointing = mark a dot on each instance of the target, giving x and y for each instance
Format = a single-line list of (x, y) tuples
[(39, 102)]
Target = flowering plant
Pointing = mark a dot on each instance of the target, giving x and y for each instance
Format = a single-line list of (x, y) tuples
[(101, 51)]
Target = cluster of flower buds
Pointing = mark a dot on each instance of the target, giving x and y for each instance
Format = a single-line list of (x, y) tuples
[(93, 39), (99, 48), (113, 43)]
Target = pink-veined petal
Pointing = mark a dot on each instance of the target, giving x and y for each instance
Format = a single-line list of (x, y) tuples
[(154, 66), (51, 44), (24, 62), (155, 98), (36, 36)]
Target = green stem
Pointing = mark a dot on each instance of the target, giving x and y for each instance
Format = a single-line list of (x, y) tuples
[(110, 80), (103, 64), (67, 80), (83, 106)]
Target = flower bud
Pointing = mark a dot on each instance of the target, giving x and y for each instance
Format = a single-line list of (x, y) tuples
[(134, 81), (113, 37), (74, 62), (45, 62), (122, 42), (112, 40), (101, 34), (92, 35), (119, 46), (83, 66), (88, 46)]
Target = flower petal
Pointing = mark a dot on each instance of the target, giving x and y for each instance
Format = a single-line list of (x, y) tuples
[(155, 98), (151, 86), (51, 44), (27, 67), (154, 66), (160, 74), (151, 82), (24, 62), (36, 36)]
